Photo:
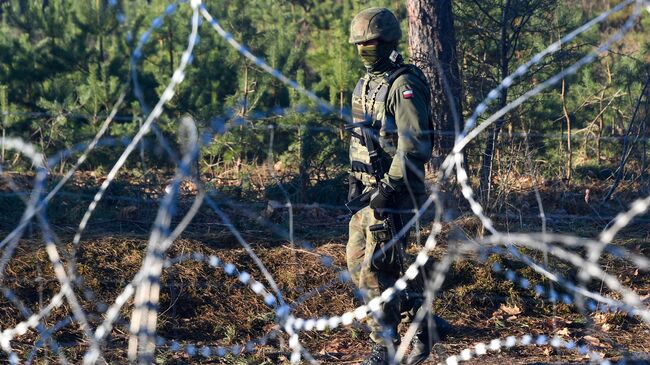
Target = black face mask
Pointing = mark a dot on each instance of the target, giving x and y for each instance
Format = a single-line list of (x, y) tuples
[(375, 57)]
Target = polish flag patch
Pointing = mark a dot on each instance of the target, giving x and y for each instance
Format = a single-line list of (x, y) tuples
[(407, 94)]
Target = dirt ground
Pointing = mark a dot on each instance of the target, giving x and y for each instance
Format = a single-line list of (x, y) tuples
[(202, 306)]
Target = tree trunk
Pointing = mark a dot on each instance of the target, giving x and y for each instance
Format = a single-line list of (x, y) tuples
[(170, 48), (601, 125), (601, 120), (640, 129), (101, 39), (565, 110), (4, 106), (491, 145), (432, 47), (341, 106), (303, 173)]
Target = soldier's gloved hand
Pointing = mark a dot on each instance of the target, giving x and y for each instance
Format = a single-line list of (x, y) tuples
[(355, 187), (381, 200)]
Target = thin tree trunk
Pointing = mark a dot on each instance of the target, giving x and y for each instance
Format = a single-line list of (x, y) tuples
[(601, 120), (645, 95), (303, 173), (569, 162), (101, 54), (4, 103), (101, 39), (341, 105), (244, 109), (432, 47), (245, 102), (170, 48), (601, 125), (491, 145), (560, 145), (644, 156)]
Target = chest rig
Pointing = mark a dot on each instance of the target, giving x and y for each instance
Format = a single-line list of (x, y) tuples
[(369, 106)]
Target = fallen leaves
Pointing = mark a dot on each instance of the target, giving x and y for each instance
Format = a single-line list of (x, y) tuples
[(596, 343), (513, 311), (563, 332), (606, 321), (509, 312), (593, 341)]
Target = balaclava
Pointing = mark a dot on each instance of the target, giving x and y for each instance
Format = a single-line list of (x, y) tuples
[(376, 57)]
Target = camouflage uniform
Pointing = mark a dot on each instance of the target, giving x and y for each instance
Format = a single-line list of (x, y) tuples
[(400, 113)]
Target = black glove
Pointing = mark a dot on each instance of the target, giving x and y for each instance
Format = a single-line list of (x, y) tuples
[(381, 200), (355, 187)]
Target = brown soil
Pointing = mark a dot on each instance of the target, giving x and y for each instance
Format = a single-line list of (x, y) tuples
[(203, 306)]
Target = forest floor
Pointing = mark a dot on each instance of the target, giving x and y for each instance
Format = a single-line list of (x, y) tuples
[(202, 306)]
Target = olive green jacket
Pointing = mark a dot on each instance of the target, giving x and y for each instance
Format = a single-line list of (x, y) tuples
[(412, 119), (405, 130)]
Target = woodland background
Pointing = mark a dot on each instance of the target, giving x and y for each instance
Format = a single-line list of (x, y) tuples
[(63, 65)]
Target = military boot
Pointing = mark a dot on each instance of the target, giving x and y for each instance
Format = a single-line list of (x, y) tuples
[(423, 339), (378, 356)]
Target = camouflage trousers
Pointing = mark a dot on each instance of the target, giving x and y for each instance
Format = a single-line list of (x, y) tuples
[(372, 275)]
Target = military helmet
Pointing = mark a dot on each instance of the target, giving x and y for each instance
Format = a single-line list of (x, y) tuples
[(375, 23)]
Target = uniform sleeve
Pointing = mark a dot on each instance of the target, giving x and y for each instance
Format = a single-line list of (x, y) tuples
[(408, 102)]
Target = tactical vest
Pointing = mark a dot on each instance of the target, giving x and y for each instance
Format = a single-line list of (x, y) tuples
[(369, 104)]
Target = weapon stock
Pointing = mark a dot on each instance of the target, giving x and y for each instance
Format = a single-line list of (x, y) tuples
[(359, 202)]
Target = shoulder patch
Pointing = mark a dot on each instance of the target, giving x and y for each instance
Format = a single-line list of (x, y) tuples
[(407, 94)]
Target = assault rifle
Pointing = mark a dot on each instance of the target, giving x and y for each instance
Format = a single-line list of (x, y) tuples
[(360, 201)]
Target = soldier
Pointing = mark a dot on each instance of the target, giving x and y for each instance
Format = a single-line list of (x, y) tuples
[(392, 101)]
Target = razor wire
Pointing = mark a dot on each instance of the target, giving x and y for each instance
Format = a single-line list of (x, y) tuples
[(146, 286)]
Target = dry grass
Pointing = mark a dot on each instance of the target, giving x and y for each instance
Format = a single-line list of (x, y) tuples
[(203, 306)]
